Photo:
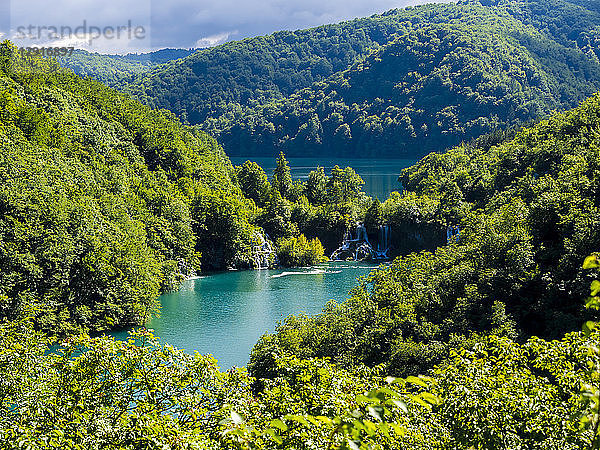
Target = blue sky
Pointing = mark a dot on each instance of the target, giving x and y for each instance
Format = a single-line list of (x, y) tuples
[(175, 23)]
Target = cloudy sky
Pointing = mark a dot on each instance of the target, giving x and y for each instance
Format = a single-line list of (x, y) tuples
[(120, 26)]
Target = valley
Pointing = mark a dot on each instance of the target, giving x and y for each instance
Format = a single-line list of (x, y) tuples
[(381, 233)]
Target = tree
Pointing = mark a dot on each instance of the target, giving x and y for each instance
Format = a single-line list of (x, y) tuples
[(374, 215), (254, 182), (343, 184), (299, 251), (316, 186), (282, 177)]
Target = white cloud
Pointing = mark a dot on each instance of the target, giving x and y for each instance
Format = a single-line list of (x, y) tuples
[(215, 39)]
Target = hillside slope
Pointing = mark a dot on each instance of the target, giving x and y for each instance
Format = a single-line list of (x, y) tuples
[(97, 196), (428, 89), (116, 70), (404, 82), (528, 211)]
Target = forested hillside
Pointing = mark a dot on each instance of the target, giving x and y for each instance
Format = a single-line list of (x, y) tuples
[(116, 70), (405, 82), (529, 213), (97, 199), (428, 89), (105, 203)]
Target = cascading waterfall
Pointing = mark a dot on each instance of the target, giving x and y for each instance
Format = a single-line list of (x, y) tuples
[(184, 271), (359, 248), (383, 242), (263, 254)]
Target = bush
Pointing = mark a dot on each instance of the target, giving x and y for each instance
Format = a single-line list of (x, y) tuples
[(299, 251)]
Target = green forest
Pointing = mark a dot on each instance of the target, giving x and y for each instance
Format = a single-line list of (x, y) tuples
[(106, 203), (115, 70), (474, 318), (406, 82), (488, 338)]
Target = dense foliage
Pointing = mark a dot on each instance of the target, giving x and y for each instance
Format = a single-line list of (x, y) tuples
[(321, 208), (101, 393), (428, 89), (99, 199), (408, 81), (105, 203), (116, 70), (293, 252), (528, 210)]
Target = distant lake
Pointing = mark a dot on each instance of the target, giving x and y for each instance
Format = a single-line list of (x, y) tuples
[(380, 175)]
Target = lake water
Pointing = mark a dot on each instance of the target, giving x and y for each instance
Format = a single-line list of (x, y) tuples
[(380, 176), (224, 314)]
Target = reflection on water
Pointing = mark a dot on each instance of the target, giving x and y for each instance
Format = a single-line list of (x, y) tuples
[(224, 314), (380, 176)]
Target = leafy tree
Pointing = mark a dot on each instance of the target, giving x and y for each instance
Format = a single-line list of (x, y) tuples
[(299, 251), (343, 184), (282, 178), (527, 213), (254, 182), (374, 215), (224, 232), (316, 186)]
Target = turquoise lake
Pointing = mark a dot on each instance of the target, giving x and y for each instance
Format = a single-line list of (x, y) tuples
[(224, 314)]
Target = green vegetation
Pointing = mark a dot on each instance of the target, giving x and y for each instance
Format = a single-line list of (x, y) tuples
[(105, 203), (426, 90), (406, 82), (101, 200), (116, 70), (101, 393), (293, 252), (321, 208), (528, 211)]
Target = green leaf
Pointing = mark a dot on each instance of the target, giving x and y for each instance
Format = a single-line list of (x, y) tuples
[(430, 398), (593, 303), (278, 423), (273, 434), (363, 399), (595, 287), (589, 327), (417, 381), (591, 262)]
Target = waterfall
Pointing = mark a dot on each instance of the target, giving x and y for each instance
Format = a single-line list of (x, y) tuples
[(356, 249), (263, 254), (361, 233), (383, 242)]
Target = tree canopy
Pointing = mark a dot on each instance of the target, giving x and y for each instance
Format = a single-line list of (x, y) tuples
[(405, 82)]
